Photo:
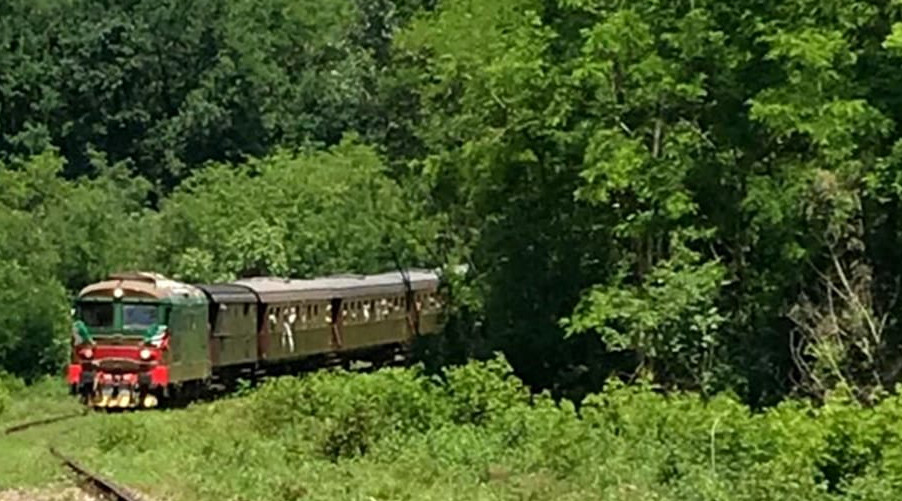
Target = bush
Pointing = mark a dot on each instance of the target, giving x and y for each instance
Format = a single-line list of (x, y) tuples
[(9, 386), (11, 383), (475, 433), (4, 399), (349, 434), (480, 391), (126, 433)]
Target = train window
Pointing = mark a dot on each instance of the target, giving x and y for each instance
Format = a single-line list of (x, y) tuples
[(138, 316), (96, 314)]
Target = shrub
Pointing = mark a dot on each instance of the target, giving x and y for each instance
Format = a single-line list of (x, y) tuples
[(126, 433), (349, 434), (4, 399), (476, 433), (10, 383), (480, 391)]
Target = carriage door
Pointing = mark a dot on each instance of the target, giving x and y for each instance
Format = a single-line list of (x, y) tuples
[(335, 307), (217, 340)]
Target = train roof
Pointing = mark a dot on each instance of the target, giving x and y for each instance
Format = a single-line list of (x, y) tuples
[(276, 290), (228, 293), (140, 284)]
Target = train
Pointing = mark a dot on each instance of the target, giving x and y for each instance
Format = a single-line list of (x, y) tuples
[(142, 340)]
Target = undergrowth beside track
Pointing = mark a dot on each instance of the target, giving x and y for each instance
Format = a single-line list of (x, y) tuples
[(476, 433)]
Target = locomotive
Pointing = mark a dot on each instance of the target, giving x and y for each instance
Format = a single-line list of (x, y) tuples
[(141, 339)]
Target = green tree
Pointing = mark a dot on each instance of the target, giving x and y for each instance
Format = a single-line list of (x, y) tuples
[(293, 215)]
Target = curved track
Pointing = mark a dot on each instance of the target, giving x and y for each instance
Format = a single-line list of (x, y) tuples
[(95, 481), (39, 422)]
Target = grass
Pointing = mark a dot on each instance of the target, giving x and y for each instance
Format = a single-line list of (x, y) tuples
[(476, 434), (24, 458)]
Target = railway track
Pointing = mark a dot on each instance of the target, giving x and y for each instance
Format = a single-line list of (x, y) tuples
[(39, 422), (94, 482)]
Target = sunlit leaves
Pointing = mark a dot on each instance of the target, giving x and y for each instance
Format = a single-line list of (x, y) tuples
[(671, 317), (291, 215), (817, 100), (613, 162), (893, 41)]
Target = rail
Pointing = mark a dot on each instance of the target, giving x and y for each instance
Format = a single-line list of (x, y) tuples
[(39, 422), (95, 480)]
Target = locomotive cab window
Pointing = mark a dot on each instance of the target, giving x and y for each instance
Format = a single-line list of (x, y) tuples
[(138, 316), (96, 314)]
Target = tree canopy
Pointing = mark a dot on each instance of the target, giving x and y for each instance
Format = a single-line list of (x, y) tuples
[(703, 191)]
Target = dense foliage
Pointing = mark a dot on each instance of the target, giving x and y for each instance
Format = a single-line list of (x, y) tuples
[(704, 191), (476, 433)]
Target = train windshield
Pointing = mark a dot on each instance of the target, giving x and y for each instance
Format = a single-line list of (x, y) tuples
[(138, 316), (97, 314)]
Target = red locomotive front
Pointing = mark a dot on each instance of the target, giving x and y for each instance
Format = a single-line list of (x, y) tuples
[(121, 353)]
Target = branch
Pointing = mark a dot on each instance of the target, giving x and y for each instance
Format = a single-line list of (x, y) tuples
[(855, 299)]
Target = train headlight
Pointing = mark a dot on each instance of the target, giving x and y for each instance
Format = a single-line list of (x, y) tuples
[(145, 354), (87, 353)]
